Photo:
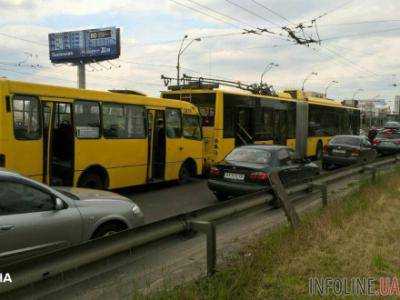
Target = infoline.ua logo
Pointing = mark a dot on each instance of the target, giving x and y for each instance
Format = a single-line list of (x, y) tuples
[(5, 278)]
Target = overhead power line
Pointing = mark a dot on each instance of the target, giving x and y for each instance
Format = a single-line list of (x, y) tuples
[(273, 12), (334, 9), (205, 14), (252, 12), (219, 13), (360, 34)]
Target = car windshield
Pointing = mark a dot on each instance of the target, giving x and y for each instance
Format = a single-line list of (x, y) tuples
[(69, 195), (249, 155), (345, 140)]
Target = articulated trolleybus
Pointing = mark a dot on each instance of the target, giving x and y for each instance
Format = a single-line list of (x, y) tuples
[(73, 137), (236, 117)]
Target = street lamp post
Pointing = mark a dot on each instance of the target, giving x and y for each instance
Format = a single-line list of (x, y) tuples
[(356, 92), (266, 69), (181, 50), (328, 86), (308, 77)]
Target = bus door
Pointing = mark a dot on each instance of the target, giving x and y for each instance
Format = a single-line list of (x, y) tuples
[(243, 132), (280, 127), (156, 145), (58, 143)]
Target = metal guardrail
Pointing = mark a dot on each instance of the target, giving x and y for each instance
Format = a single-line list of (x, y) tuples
[(45, 266)]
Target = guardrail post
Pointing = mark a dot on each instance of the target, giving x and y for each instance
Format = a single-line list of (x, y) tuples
[(373, 171), (209, 229), (282, 196), (324, 192)]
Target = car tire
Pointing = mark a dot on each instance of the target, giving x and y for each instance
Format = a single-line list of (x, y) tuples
[(108, 229), (92, 181), (221, 196)]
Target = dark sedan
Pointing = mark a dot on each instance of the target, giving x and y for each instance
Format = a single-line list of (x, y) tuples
[(246, 169), (344, 150), (387, 141)]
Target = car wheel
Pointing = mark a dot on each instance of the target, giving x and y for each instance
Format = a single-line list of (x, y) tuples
[(221, 196), (92, 181), (108, 229)]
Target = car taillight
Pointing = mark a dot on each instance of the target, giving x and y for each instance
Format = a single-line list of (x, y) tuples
[(376, 142), (397, 142), (214, 171), (355, 152), (326, 149), (258, 176)]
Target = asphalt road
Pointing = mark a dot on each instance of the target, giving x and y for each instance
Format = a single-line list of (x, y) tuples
[(160, 201)]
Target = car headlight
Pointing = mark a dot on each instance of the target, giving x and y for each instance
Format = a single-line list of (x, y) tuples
[(136, 210)]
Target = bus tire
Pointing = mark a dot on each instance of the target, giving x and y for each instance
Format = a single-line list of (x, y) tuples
[(92, 181), (187, 171), (319, 151)]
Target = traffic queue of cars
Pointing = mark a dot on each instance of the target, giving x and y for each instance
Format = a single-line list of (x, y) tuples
[(247, 168)]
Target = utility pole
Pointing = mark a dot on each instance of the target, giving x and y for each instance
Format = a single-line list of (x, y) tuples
[(181, 50), (81, 75), (266, 69)]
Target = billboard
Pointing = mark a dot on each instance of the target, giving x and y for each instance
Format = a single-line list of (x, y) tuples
[(85, 45)]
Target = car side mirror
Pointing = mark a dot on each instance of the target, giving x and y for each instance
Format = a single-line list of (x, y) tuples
[(59, 204)]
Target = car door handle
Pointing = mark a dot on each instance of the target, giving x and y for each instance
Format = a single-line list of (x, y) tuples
[(181, 148), (7, 227)]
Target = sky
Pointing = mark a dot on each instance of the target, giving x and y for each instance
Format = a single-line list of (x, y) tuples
[(359, 48)]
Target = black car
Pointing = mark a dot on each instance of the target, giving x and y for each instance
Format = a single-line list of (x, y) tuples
[(246, 169), (387, 141), (392, 125), (344, 150)]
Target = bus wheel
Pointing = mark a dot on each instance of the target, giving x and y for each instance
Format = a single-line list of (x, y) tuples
[(320, 151), (185, 174), (92, 181)]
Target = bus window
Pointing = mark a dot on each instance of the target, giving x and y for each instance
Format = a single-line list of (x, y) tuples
[(87, 119), (26, 118), (123, 121), (174, 123), (191, 127), (135, 116)]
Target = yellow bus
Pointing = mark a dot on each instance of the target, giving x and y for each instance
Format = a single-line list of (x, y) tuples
[(104, 140), (233, 117)]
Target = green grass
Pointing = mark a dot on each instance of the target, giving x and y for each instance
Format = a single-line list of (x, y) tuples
[(354, 237)]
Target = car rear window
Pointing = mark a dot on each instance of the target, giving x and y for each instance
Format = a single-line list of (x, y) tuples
[(248, 155), (345, 140), (388, 135)]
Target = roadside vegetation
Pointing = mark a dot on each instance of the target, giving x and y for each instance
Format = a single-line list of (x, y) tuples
[(357, 236)]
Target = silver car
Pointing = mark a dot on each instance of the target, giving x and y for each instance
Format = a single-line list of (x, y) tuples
[(35, 218)]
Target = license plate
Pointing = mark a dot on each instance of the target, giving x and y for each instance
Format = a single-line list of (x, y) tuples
[(234, 176), (387, 143), (339, 151)]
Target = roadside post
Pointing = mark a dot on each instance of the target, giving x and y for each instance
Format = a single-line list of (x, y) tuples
[(209, 229), (282, 196), (324, 192)]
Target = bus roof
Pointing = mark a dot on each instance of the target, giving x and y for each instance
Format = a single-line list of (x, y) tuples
[(44, 90), (282, 96)]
